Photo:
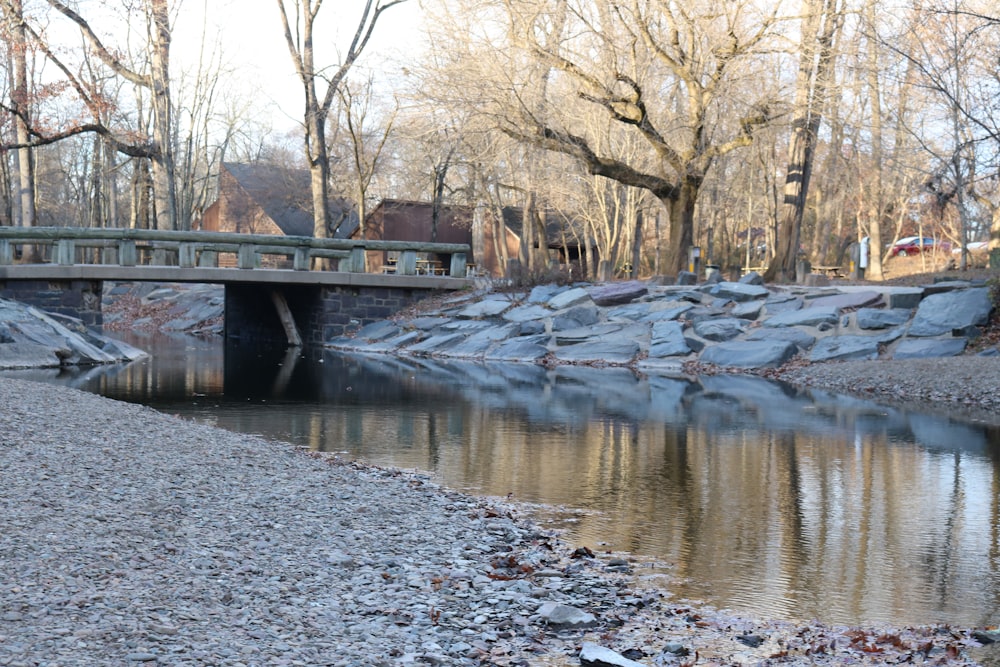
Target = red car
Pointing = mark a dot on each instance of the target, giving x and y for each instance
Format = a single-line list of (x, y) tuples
[(912, 245)]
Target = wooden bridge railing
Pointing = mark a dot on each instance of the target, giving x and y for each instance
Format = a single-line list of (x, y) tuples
[(131, 247)]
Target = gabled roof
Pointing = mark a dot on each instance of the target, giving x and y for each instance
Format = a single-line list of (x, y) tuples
[(285, 195), (555, 223)]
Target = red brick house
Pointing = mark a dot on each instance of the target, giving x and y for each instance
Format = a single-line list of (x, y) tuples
[(397, 220), (268, 199)]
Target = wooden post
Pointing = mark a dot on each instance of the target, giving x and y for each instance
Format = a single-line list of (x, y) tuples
[(6, 252), (159, 257), (287, 321)]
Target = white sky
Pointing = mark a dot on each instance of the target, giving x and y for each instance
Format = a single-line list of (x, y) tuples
[(253, 42)]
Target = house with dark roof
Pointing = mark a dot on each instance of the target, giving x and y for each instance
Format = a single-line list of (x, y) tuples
[(492, 243), (270, 199)]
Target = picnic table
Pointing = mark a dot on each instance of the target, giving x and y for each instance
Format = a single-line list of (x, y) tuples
[(830, 271)]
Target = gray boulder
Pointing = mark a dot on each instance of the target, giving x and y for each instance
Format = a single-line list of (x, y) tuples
[(432, 343), (740, 291), (583, 334), (749, 354), (903, 297), (585, 315), (27, 355), (615, 350), (670, 310), (489, 307), (614, 294), (880, 318), (804, 317), (942, 313), (526, 313), (667, 340), (477, 345), (802, 339), (752, 278), (595, 655), (718, 330), (842, 348), (782, 303), (687, 278), (748, 310), (847, 300), (565, 616), (377, 331), (523, 348), (924, 348), (572, 297)]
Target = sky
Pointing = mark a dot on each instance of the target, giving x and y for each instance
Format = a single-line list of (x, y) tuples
[(252, 39)]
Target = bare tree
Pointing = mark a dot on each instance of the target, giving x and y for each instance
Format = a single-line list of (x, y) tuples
[(663, 74), (299, 37), (365, 143), (821, 21)]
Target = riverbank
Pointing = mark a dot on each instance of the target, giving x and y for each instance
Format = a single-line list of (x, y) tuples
[(132, 537)]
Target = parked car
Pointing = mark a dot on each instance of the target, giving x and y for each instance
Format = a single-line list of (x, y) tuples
[(912, 245)]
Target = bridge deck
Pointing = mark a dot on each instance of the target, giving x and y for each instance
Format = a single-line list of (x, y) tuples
[(225, 276)]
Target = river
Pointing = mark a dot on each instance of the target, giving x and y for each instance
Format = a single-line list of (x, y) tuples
[(751, 495)]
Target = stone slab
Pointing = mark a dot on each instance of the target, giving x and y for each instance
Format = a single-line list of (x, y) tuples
[(926, 348), (749, 354), (843, 348)]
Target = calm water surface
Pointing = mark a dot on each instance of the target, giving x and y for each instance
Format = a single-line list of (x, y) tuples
[(760, 498)]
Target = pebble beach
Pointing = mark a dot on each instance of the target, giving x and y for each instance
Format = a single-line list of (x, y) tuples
[(133, 537)]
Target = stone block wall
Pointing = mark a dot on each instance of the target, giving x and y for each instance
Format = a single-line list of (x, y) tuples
[(73, 298), (344, 310)]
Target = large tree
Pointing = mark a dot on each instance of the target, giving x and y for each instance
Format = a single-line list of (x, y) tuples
[(683, 77), (299, 32), (151, 77)]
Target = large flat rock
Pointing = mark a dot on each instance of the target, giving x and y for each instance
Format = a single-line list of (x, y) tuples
[(617, 350), (842, 348), (926, 348), (812, 316), (749, 354), (740, 291), (942, 313), (614, 294)]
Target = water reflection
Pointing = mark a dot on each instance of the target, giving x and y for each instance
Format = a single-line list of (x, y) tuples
[(762, 498)]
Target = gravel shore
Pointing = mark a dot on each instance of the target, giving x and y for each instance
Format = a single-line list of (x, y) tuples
[(128, 536), (966, 386)]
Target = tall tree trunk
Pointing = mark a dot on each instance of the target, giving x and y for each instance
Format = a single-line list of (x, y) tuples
[(681, 210), (25, 200), (819, 26), (877, 198), (164, 185)]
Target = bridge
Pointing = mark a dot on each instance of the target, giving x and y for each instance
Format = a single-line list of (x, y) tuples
[(298, 289)]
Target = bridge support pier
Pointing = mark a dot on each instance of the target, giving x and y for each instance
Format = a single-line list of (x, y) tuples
[(313, 313)]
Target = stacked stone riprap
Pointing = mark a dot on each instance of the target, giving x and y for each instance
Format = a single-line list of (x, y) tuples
[(741, 324)]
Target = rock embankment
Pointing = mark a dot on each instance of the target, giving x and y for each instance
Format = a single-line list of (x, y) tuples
[(734, 325), (133, 537), (31, 338)]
